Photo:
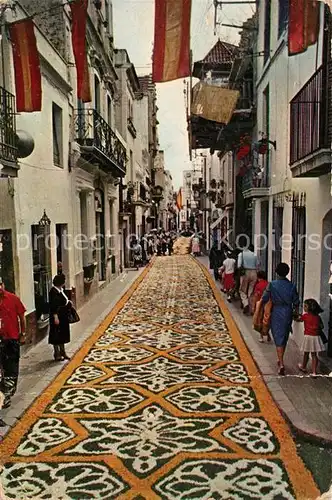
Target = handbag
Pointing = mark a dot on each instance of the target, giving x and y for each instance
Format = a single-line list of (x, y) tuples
[(73, 316)]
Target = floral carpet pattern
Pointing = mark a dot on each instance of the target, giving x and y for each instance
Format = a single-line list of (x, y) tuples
[(162, 402)]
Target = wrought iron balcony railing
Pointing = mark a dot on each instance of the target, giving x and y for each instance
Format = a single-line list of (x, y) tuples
[(309, 130), (255, 184), (8, 148), (131, 127), (98, 139)]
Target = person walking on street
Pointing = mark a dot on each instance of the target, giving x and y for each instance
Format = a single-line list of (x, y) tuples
[(285, 303), (248, 265), (12, 334), (59, 333), (216, 259), (312, 343), (137, 254), (196, 250), (228, 268)]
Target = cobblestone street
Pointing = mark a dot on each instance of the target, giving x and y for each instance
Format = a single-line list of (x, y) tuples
[(163, 401)]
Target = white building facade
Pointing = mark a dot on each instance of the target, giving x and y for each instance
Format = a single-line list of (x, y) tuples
[(293, 214)]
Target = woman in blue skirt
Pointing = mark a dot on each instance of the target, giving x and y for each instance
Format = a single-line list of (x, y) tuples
[(285, 303)]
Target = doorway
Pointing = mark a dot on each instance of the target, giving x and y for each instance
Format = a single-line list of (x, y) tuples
[(62, 247), (42, 273), (325, 285), (264, 254), (6, 260)]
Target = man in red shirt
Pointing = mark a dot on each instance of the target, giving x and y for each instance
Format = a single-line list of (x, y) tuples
[(12, 332)]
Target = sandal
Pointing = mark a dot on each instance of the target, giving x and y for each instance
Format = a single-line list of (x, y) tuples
[(300, 367), (281, 371)]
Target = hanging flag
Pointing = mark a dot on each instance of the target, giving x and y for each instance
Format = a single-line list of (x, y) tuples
[(171, 53), (179, 202), (303, 27), (26, 66), (79, 10)]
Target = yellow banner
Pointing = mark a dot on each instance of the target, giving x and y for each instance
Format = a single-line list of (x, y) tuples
[(214, 103)]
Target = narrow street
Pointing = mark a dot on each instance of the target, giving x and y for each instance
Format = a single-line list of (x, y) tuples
[(163, 401)]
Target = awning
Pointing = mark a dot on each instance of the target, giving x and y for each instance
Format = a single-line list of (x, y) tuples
[(214, 103)]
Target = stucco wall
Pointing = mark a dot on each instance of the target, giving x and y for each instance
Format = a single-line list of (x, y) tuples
[(42, 186)]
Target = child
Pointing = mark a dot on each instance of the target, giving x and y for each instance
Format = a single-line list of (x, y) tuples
[(312, 342), (228, 269), (257, 295), (259, 289)]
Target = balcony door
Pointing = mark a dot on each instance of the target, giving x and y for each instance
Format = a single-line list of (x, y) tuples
[(100, 252)]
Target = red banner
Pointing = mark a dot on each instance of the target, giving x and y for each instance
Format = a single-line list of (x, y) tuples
[(171, 53), (79, 17), (303, 28), (26, 66)]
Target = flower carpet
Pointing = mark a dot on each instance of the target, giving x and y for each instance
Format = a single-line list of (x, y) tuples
[(162, 402)]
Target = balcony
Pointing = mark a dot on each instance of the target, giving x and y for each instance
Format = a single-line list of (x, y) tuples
[(99, 144), (310, 133), (8, 140), (255, 185), (131, 127), (141, 197)]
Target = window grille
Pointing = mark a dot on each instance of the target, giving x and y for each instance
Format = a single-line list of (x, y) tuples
[(277, 227), (299, 242)]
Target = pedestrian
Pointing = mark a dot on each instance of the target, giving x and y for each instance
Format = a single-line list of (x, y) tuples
[(137, 254), (255, 303), (150, 249), (163, 244), (195, 245), (313, 327), (259, 288), (228, 269), (216, 259), (144, 250), (170, 244), (285, 303), (59, 333), (247, 265), (12, 334), (237, 275)]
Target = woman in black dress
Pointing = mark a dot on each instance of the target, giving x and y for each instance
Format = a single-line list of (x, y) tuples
[(59, 334)]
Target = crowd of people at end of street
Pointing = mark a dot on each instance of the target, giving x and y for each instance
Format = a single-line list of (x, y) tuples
[(274, 306), (154, 243)]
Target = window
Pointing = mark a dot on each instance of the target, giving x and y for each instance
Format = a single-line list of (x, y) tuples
[(267, 30), (131, 166), (299, 243), (57, 135), (107, 15), (97, 94), (130, 110), (277, 221), (109, 110), (283, 16), (266, 124)]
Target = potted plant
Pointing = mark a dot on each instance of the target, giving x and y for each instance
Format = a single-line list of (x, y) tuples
[(245, 147)]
